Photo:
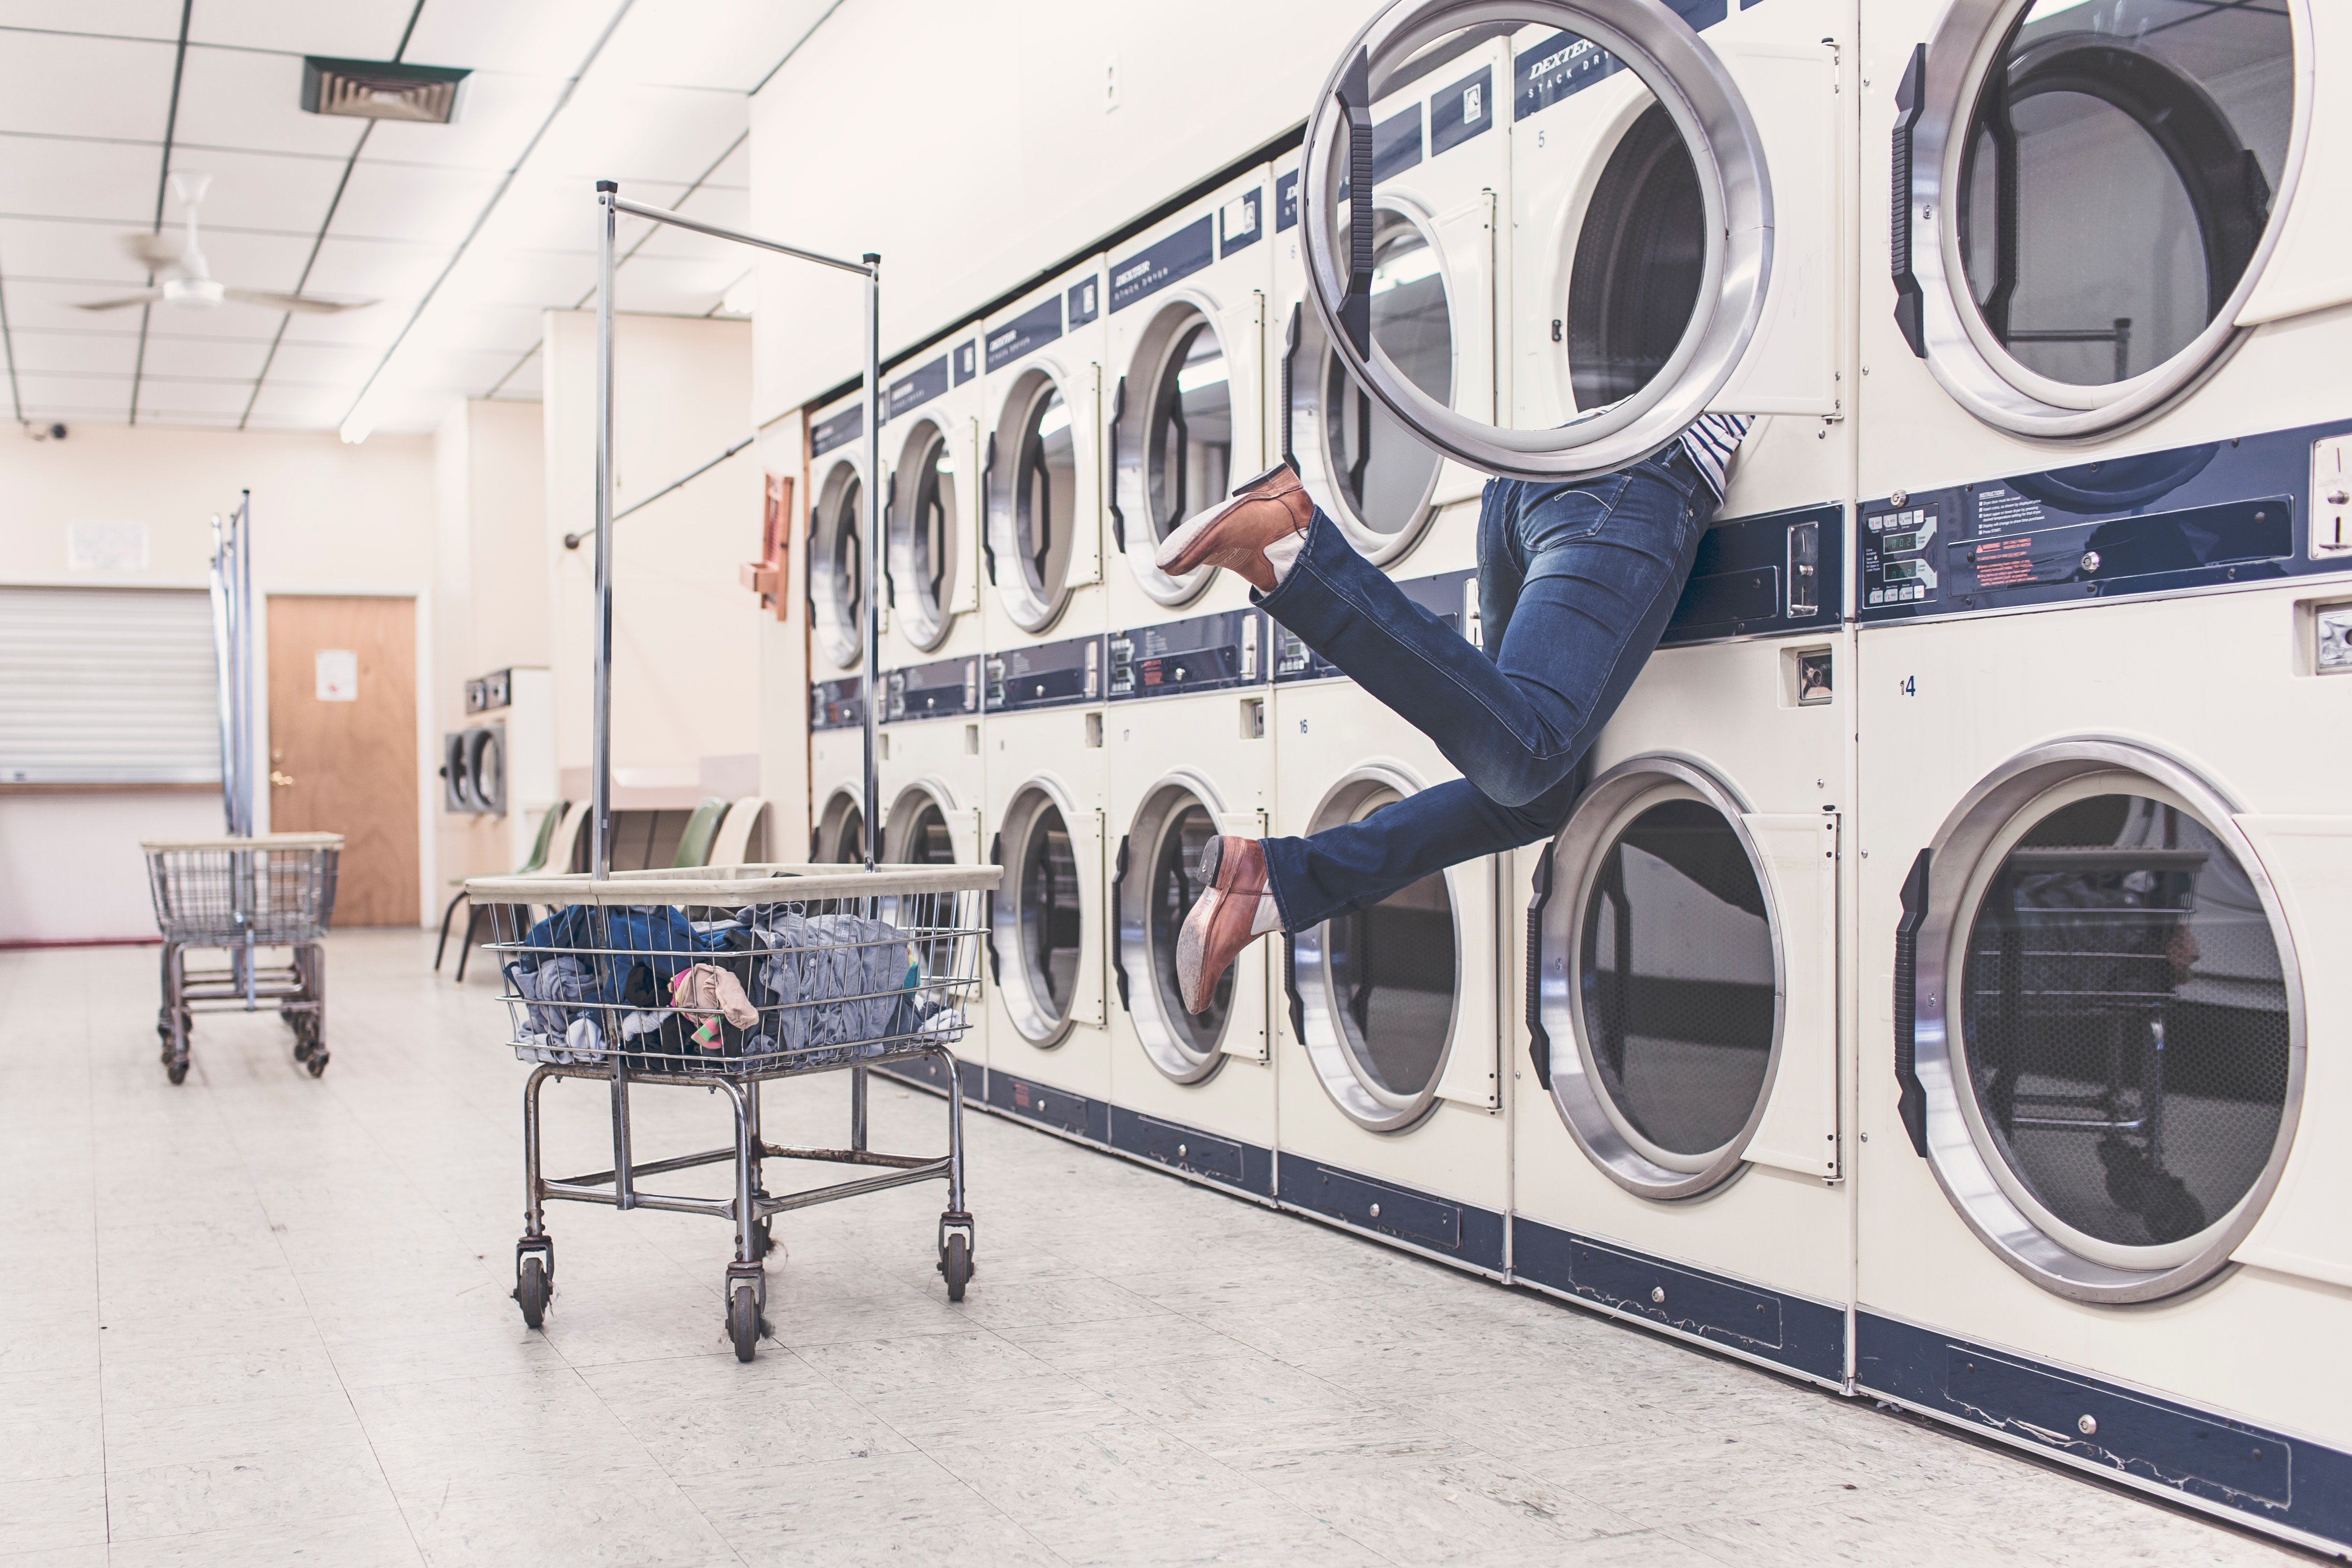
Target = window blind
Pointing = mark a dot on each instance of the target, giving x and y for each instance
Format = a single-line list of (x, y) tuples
[(107, 686)]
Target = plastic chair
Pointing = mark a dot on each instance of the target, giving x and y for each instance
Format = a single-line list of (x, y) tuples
[(701, 832), (562, 824)]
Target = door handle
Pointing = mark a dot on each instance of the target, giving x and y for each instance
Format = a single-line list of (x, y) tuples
[(280, 781)]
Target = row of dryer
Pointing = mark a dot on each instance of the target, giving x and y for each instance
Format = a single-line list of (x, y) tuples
[(1937, 992)]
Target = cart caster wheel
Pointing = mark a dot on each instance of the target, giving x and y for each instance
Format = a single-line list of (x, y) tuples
[(743, 1322), (302, 1049), (956, 1264), (531, 1291), (176, 1071), (318, 1062)]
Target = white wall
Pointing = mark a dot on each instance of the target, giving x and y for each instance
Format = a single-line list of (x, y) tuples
[(685, 636), (971, 151), (328, 518)]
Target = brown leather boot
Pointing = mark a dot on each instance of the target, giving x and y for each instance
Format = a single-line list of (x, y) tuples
[(1234, 535), (1223, 921)]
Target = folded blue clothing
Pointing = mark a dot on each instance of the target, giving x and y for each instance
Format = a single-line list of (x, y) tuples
[(605, 930)]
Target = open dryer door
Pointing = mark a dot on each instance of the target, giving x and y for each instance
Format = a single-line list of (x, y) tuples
[(1651, 276)]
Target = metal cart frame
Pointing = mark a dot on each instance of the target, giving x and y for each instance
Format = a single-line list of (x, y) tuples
[(245, 894), (750, 1206)]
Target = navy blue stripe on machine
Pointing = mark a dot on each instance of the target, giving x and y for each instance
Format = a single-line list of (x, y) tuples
[(916, 388), (1085, 301), (1463, 1233), (1396, 146), (1041, 323), (1164, 261), (1202, 653), (2163, 1446), (944, 688), (837, 704), (837, 429), (1240, 221), (1793, 1332), (1764, 576), (1212, 1157), (1285, 201), (1049, 675), (1565, 65), (967, 361), (1063, 1108), (926, 1073), (1458, 113)]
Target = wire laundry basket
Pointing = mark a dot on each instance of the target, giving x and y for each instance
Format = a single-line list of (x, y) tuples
[(726, 977), (245, 895)]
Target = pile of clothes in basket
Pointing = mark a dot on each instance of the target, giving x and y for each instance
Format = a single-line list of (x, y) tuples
[(772, 985)]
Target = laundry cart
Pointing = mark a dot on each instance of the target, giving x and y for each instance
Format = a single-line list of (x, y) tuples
[(723, 979), (252, 897)]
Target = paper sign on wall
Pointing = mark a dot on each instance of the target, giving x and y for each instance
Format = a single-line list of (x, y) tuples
[(339, 675), (100, 546)]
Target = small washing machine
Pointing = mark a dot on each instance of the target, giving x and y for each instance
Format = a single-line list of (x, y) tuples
[(1388, 1046), (931, 538), (1188, 416), (931, 775), (1042, 403), (1440, 171), (834, 581), (1048, 952), (837, 771), (2104, 597), (1189, 760)]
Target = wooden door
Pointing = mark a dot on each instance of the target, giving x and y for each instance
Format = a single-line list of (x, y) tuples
[(342, 742)]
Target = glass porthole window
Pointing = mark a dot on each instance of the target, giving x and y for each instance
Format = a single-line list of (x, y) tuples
[(927, 841), (1381, 473), (837, 566), (1157, 889), (922, 539), (1377, 987), (1659, 979), (1044, 495), (1641, 259), (2117, 177), (840, 832), (1041, 913), (1189, 446), (2110, 1022)]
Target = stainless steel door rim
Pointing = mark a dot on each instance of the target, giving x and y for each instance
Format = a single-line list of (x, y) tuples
[(1684, 76)]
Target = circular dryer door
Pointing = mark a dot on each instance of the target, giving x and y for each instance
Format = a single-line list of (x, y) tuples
[(1174, 435), (1034, 500), (1659, 968), (840, 836), (836, 557), (1377, 990), (1159, 883), (2109, 1027), (1651, 261), (486, 767), (2092, 192), (922, 529), (1039, 925), (917, 832)]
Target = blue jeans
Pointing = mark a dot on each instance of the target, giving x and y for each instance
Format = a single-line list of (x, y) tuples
[(1575, 587)]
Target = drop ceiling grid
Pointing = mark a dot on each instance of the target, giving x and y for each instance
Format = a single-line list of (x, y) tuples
[(83, 112)]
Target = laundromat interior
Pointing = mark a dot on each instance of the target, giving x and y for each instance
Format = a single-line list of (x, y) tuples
[(621, 745)]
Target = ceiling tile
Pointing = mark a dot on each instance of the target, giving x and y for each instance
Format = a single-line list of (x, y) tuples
[(91, 395), (113, 88), (373, 328), (541, 37), (161, 395), (335, 366), (524, 384), (375, 269), (255, 260), (498, 114), (46, 247), (272, 191), (80, 179), (286, 406), (677, 287), (236, 97), (91, 352), (508, 328), (407, 201), (728, 44), (212, 359), (348, 30), (536, 279), (131, 18), (616, 130)]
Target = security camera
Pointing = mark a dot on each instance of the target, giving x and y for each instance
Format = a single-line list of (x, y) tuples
[(35, 430)]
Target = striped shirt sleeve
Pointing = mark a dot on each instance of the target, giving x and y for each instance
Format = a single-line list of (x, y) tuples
[(1712, 439)]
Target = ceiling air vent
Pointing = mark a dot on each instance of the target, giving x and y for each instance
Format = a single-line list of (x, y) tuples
[(381, 90)]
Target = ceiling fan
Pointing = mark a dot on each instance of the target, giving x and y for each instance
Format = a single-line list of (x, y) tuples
[(186, 281)]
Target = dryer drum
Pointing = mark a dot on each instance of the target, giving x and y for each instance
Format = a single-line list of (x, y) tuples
[(2110, 1022), (922, 536), (1640, 255), (840, 834), (837, 571), (486, 768), (1375, 991), (1156, 890), (1659, 965), (1039, 922)]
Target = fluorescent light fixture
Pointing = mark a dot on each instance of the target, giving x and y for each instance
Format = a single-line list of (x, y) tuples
[(1207, 374)]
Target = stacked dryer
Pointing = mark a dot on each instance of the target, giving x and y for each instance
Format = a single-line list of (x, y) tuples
[(1390, 1090), (835, 597), (1042, 690), (2104, 604), (1186, 669), (930, 767)]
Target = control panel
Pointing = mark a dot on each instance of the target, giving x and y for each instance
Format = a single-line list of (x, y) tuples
[(1049, 675), (1205, 653)]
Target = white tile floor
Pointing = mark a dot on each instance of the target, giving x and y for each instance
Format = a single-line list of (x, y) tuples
[(260, 1319)]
